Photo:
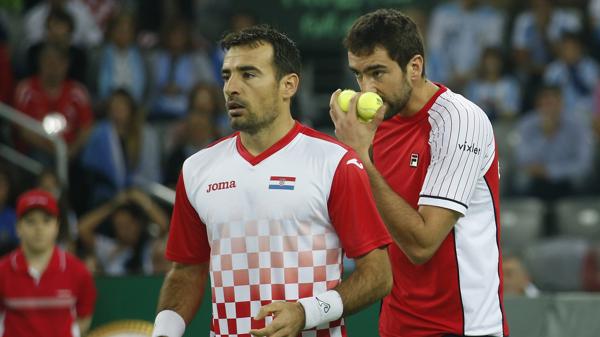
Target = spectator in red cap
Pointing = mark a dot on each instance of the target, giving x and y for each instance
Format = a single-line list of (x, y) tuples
[(44, 291)]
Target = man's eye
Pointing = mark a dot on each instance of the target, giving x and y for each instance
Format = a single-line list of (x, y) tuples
[(249, 75), (225, 77), (377, 74)]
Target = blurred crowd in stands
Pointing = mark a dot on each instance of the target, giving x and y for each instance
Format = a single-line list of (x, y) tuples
[(133, 88)]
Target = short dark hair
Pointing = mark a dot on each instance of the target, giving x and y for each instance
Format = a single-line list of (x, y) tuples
[(286, 56), (387, 28), (60, 14)]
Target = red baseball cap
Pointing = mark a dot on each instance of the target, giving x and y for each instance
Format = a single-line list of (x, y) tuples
[(36, 198)]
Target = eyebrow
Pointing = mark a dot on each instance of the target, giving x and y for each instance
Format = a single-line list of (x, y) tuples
[(242, 68), (370, 68)]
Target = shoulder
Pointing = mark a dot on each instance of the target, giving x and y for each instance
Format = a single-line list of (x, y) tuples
[(455, 108), (5, 261), (320, 145), (209, 155)]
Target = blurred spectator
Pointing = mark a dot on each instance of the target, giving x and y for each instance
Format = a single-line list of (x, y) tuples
[(129, 249), (67, 232), (496, 93), (121, 63), (577, 75), (8, 217), (177, 68), (6, 73), (196, 131), (62, 105), (237, 22), (102, 11), (554, 151), (536, 33), (43, 288), (459, 32), (594, 18), (516, 278), (86, 31), (59, 29), (122, 151), (160, 264)]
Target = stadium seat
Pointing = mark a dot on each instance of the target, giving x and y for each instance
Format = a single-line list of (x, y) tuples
[(557, 264), (579, 217), (521, 220)]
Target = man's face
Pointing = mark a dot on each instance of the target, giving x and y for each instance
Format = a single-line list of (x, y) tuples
[(58, 32), (377, 72), (251, 88), (53, 67), (128, 229), (37, 230)]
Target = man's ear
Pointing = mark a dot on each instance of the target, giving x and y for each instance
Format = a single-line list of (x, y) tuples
[(414, 67), (289, 85)]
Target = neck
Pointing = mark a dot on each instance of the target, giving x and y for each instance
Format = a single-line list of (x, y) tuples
[(38, 260), (50, 86), (422, 92), (269, 135)]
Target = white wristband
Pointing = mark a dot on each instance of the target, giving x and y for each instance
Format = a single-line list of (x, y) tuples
[(322, 308), (168, 323)]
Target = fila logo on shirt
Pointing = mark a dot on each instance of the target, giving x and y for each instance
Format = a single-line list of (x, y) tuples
[(414, 159), (223, 185)]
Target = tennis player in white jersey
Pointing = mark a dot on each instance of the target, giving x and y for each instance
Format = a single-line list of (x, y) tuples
[(269, 212)]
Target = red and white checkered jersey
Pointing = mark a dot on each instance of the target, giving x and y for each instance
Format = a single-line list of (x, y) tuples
[(445, 156), (274, 227)]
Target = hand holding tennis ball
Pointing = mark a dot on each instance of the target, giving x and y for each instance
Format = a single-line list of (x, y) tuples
[(367, 105)]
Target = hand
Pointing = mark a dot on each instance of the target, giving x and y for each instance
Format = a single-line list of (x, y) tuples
[(537, 171), (350, 130), (288, 319)]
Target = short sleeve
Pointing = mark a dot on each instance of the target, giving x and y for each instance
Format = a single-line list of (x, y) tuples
[(352, 209), (87, 294), (188, 241), (462, 148)]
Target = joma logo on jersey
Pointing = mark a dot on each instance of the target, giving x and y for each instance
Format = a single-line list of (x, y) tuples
[(223, 185), (469, 148)]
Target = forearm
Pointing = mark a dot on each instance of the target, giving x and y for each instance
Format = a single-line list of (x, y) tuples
[(182, 290), (91, 220), (371, 280), (404, 223)]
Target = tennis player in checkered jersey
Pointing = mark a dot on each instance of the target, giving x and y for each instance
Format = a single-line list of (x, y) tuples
[(269, 211)]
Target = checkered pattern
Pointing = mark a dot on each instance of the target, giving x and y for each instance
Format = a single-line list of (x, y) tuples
[(255, 263)]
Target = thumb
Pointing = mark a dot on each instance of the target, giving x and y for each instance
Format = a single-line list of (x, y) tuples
[(264, 311)]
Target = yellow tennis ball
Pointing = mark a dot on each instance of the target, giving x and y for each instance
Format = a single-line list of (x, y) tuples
[(344, 99), (367, 106)]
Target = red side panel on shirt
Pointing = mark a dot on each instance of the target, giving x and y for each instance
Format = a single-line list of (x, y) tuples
[(417, 307), (188, 240), (352, 209), (492, 178)]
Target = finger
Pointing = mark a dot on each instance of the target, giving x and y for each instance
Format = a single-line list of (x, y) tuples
[(268, 309), (351, 115), (335, 112), (268, 330), (379, 115), (334, 96)]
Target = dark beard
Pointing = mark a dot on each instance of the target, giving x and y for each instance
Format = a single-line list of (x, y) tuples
[(398, 105), (252, 125)]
